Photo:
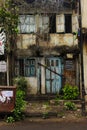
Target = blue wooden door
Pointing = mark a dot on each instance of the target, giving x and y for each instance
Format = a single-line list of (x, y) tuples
[(53, 75)]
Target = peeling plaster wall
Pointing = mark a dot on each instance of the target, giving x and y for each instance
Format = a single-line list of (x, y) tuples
[(85, 65), (43, 77), (32, 85), (26, 40), (32, 81), (84, 25)]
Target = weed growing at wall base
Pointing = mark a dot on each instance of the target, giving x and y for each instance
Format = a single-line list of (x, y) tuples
[(70, 92), (20, 103)]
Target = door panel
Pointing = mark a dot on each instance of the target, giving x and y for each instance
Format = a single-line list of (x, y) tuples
[(53, 80), (48, 86)]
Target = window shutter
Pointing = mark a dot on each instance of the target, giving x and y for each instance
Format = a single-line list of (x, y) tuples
[(32, 23), (16, 68), (75, 23), (40, 23), (26, 24), (60, 23), (44, 24), (29, 67)]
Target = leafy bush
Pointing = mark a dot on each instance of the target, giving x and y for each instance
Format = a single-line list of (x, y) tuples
[(19, 105), (10, 119), (20, 102), (69, 105), (21, 83), (70, 92)]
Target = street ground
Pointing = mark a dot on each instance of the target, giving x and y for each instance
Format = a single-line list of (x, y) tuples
[(47, 124), (48, 115)]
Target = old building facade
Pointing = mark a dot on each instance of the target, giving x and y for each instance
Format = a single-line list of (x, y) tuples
[(47, 47), (47, 51)]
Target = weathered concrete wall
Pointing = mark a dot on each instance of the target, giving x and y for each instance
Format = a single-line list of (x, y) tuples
[(26, 40), (33, 81), (43, 77), (85, 65), (32, 85), (84, 13)]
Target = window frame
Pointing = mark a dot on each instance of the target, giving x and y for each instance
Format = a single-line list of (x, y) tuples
[(21, 69), (60, 23), (43, 25), (26, 24), (29, 66), (74, 23)]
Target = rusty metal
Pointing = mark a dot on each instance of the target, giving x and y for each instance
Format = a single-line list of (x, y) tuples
[(7, 98)]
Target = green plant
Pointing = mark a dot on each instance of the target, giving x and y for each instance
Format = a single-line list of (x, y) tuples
[(9, 23), (19, 105), (20, 102), (21, 83), (45, 115), (10, 119), (70, 92), (46, 104), (69, 105), (56, 101)]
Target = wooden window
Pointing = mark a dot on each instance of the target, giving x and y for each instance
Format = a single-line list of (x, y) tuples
[(29, 68), (44, 24), (21, 67), (75, 23), (25, 67), (66, 23), (60, 23), (26, 23), (47, 62), (16, 68)]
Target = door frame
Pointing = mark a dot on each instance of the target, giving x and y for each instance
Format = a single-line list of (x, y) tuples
[(61, 75)]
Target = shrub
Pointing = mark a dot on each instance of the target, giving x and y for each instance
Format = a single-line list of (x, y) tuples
[(20, 102), (21, 83), (10, 119), (19, 105), (70, 92), (69, 105)]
